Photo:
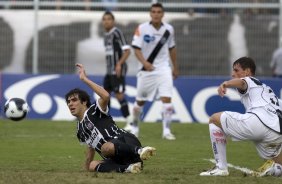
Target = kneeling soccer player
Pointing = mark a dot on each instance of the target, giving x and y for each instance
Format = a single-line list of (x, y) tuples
[(261, 124)]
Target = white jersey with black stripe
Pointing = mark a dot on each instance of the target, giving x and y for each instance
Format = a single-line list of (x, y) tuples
[(146, 37), (97, 127), (261, 100)]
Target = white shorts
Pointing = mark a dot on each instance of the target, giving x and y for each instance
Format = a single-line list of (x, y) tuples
[(154, 84), (248, 127)]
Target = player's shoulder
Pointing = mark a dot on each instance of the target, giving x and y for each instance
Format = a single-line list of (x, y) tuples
[(168, 26), (144, 25)]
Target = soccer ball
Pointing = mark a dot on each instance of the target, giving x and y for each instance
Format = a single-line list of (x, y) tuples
[(16, 109)]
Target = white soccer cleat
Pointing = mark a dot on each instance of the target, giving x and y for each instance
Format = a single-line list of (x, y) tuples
[(134, 168), (169, 136), (147, 152), (267, 169), (215, 172)]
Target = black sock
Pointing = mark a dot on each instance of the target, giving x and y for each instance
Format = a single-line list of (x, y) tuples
[(124, 108), (110, 167)]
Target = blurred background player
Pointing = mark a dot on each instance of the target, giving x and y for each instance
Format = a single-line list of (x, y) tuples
[(154, 47), (276, 63), (262, 122), (117, 51), (121, 151)]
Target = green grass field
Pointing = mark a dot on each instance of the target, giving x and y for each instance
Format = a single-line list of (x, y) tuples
[(48, 152)]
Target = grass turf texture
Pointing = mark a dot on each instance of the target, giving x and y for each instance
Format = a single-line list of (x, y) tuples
[(48, 152)]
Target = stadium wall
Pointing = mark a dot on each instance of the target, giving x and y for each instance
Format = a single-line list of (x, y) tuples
[(206, 43), (194, 98)]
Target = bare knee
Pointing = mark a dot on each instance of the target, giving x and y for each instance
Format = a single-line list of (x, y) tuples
[(108, 149), (215, 119), (94, 164)]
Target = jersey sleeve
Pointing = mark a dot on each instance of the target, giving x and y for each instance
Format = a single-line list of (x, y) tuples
[(99, 107), (171, 40), (137, 38), (122, 40)]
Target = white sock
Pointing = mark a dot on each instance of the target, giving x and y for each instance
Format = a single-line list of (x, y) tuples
[(167, 111), (218, 141), (137, 110), (277, 170)]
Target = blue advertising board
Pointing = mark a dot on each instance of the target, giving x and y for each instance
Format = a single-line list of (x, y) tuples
[(194, 98)]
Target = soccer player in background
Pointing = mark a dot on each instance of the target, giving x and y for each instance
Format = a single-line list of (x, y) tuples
[(117, 51), (261, 123), (121, 151), (154, 47)]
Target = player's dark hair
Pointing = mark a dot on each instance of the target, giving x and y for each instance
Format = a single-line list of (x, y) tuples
[(157, 5), (110, 14), (246, 62), (82, 95)]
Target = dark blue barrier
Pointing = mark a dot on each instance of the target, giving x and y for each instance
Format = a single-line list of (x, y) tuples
[(194, 98)]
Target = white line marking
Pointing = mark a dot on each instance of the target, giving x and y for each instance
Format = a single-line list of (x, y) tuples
[(242, 169)]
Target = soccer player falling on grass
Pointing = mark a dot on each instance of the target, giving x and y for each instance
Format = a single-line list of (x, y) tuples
[(261, 124), (121, 151)]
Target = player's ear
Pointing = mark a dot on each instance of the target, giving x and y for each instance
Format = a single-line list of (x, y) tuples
[(248, 72)]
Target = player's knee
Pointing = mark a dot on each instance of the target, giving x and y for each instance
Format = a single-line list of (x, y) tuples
[(215, 119), (93, 165), (108, 149)]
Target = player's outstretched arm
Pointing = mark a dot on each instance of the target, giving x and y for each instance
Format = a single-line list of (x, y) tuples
[(100, 91)]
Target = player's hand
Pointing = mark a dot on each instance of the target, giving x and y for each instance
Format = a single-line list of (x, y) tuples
[(175, 73), (81, 71), (118, 69), (148, 66), (222, 89)]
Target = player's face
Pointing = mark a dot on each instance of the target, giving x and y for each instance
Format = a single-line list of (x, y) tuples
[(108, 22), (238, 72), (75, 106), (156, 14)]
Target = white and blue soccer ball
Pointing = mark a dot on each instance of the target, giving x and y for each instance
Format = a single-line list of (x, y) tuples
[(16, 109)]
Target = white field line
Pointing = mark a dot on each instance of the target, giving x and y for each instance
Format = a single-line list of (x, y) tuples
[(242, 169)]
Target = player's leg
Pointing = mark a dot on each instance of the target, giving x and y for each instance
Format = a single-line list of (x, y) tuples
[(270, 148), (111, 166), (118, 84), (167, 111), (123, 104), (218, 142), (107, 86), (126, 149), (133, 125)]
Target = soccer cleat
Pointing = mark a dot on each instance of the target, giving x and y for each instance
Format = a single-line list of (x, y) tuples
[(147, 152), (215, 171), (134, 168), (267, 169), (169, 136)]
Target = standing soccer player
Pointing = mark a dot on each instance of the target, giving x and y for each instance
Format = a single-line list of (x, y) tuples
[(261, 124), (121, 151), (117, 51), (154, 47)]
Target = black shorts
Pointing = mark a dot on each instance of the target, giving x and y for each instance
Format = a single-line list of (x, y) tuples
[(130, 139), (112, 83)]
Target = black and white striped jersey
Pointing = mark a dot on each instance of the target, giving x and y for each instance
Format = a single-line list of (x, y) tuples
[(97, 128), (115, 44)]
